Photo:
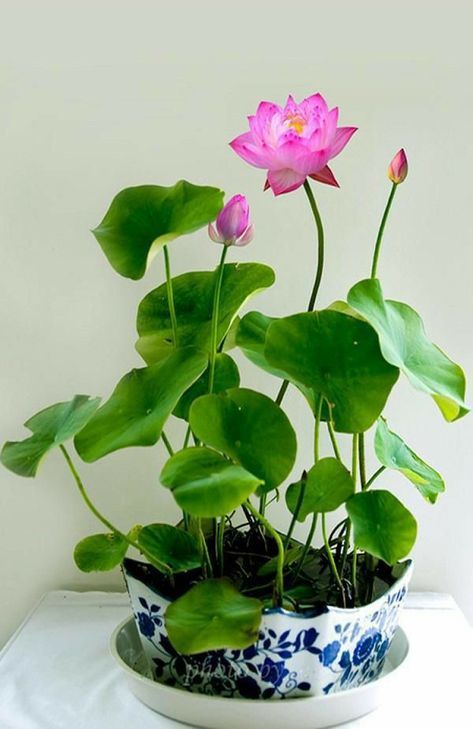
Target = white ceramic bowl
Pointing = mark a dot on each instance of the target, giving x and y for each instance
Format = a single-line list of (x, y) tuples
[(214, 712)]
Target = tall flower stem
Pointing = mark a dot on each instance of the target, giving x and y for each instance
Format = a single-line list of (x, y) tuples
[(215, 308), (379, 239), (160, 565), (319, 271), (220, 527), (279, 584), (320, 248)]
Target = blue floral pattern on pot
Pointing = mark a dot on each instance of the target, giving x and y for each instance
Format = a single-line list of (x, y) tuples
[(313, 653)]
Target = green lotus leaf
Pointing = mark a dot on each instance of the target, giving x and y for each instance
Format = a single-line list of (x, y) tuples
[(140, 405), (337, 356), (175, 547), (193, 300), (205, 483), (382, 525), (226, 376), (142, 219), (404, 344), (294, 498), (251, 339), (249, 428), (328, 485), (344, 308), (213, 615), (50, 427), (100, 552), (393, 453)]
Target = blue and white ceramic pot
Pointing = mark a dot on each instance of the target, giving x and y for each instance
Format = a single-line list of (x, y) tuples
[(297, 654)]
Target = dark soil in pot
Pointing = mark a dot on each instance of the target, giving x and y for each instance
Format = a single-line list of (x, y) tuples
[(250, 565)]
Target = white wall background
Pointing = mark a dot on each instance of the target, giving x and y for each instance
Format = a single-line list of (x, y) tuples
[(97, 96)]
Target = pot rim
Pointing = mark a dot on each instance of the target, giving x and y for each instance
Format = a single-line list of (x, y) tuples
[(323, 607), (313, 612)]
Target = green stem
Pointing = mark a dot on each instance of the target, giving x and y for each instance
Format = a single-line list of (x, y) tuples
[(221, 534), (167, 443), (369, 558), (353, 574), (170, 450), (213, 354), (160, 565), (215, 307), (307, 546), (354, 469), (333, 439), (318, 416), (332, 561), (354, 457), (282, 392), (292, 525), (172, 309), (279, 584), (374, 477), (320, 242), (379, 239), (362, 460), (319, 271), (187, 437), (208, 570), (262, 504), (249, 517), (346, 543)]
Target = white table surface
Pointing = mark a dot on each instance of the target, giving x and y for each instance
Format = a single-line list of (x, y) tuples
[(56, 671)]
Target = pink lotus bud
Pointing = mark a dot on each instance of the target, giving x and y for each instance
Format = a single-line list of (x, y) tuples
[(232, 227), (397, 170)]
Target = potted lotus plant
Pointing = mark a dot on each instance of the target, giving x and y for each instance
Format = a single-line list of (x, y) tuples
[(224, 602)]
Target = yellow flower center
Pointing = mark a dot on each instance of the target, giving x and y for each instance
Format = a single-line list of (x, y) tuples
[(297, 123)]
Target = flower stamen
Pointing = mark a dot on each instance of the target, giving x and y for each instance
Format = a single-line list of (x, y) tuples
[(296, 122)]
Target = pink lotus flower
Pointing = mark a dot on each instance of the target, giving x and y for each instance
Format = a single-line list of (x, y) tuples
[(232, 223), (294, 142), (397, 170)]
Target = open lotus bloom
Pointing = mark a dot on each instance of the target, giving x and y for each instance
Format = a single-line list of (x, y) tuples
[(294, 142), (232, 225)]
